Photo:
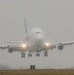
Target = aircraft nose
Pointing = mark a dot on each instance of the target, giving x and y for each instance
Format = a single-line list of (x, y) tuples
[(40, 37)]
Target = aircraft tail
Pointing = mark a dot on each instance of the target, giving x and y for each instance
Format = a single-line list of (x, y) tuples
[(25, 26)]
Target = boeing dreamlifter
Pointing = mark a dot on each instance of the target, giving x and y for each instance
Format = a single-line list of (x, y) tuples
[(34, 41)]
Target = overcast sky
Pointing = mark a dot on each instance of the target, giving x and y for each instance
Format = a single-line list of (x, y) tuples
[(55, 17)]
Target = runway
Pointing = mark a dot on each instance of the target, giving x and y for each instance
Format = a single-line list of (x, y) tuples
[(38, 72)]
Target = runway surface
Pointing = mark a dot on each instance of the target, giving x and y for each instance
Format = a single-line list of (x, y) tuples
[(38, 72)]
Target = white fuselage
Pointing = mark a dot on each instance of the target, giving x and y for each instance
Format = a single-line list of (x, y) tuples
[(35, 39)]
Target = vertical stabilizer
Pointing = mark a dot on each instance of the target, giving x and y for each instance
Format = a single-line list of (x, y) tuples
[(25, 26)]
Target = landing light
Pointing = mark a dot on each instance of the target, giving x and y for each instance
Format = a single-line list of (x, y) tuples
[(47, 44), (24, 45)]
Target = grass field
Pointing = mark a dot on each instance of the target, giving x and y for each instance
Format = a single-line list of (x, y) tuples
[(37, 72)]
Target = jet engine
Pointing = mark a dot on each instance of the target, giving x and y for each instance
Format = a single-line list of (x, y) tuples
[(60, 47), (10, 50)]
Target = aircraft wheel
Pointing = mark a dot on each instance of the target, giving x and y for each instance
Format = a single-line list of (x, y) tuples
[(23, 55), (29, 55), (45, 54), (37, 55)]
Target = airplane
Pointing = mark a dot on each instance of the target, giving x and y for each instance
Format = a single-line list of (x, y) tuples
[(34, 41)]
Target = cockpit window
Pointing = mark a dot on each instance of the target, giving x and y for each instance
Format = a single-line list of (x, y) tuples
[(38, 32)]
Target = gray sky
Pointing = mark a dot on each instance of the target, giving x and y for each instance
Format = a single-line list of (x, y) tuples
[(55, 17)]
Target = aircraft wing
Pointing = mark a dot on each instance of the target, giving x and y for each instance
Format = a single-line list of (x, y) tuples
[(18, 47), (11, 48), (67, 43), (60, 46), (7, 45), (3, 46)]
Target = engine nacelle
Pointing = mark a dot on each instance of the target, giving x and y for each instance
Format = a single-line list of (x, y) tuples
[(60, 47), (10, 50)]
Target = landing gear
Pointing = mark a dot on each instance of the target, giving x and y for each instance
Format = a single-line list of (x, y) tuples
[(29, 55), (23, 55), (45, 54), (37, 54)]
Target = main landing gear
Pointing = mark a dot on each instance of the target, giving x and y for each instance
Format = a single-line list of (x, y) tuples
[(29, 55), (38, 54), (23, 55), (45, 54)]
